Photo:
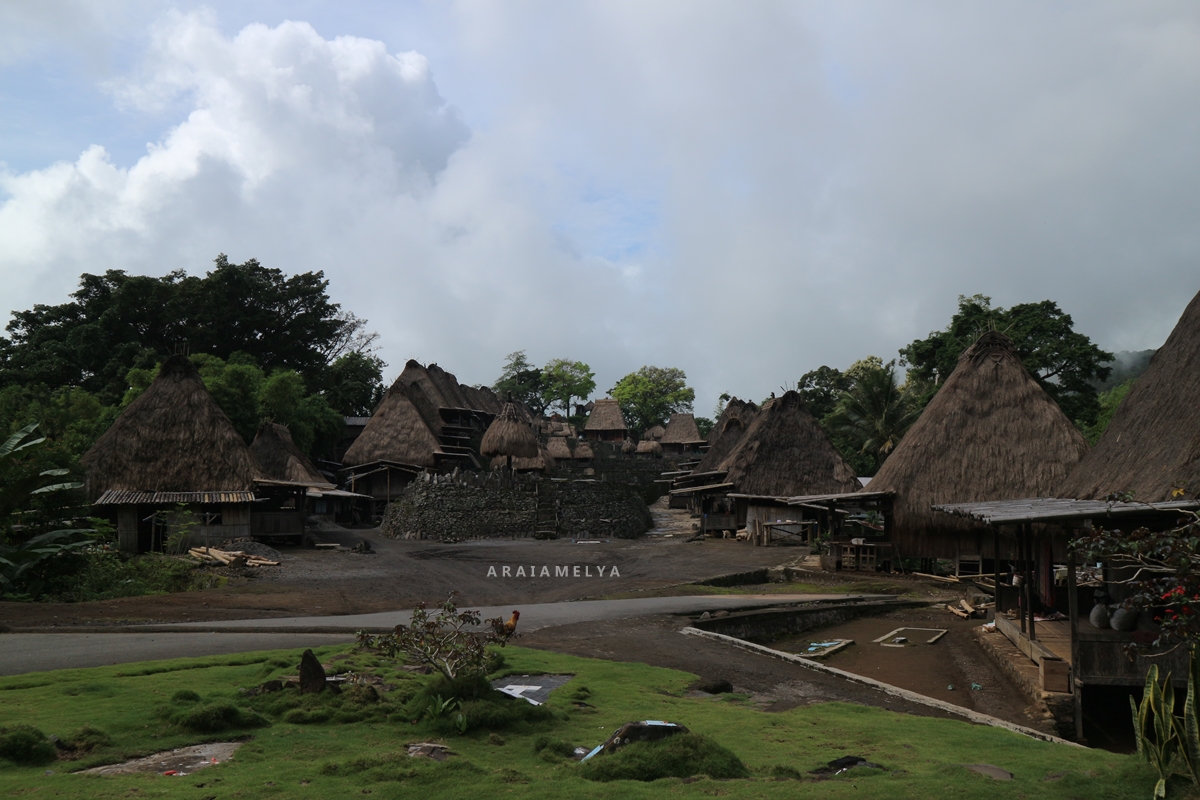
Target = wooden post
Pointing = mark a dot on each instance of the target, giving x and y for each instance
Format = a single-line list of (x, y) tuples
[(1022, 595), (996, 563), (1073, 613), (1030, 571), (127, 529)]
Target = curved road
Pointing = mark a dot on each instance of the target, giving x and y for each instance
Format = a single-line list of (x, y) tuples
[(35, 652)]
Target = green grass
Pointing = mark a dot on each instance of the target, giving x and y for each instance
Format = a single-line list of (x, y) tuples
[(133, 710)]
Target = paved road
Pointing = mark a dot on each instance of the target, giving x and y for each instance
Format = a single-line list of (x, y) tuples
[(34, 652)]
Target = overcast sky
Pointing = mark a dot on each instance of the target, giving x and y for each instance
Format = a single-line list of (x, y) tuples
[(743, 190)]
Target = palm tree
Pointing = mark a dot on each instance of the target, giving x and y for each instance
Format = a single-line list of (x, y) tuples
[(875, 413)]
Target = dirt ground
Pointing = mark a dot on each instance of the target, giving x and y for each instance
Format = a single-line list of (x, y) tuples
[(319, 582), (776, 685)]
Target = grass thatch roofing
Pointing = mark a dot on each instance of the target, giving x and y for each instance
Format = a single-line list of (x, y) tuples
[(1152, 446), (583, 452), (649, 447), (719, 450), (509, 435), (281, 460), (397, 432), (785, 452), (628, 446), (558, 448), (541, 461), (606, 416), (656, 433), (173, 438), (682, 429), (990, 433), (742, 410)]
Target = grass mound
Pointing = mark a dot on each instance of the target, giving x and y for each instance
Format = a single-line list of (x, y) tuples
[(216, 717), (26, 745), (677, 757)]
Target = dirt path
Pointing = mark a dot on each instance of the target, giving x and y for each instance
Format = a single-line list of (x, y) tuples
[(401, 573)]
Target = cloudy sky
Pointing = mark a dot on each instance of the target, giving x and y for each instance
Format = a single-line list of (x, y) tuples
[(743, 190)]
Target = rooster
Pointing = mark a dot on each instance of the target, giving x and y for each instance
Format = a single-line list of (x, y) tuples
[(505, 630)]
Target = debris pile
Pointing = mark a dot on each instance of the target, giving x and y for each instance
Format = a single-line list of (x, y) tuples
[(230, 558)]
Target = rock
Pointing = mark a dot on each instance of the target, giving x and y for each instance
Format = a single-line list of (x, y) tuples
[(840, 765), (1099, 616), (431, 750), (312, 674), (706, 615)]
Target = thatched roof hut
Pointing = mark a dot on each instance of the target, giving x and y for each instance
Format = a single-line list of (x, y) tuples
[(1152, 446), (990, 433), (656, 433), (397, 432), (648, 447), (583, 452), (606, 422), (281, 460), (785, 452), (509, 435), (173, 438), (558, 448), (743, 411), (682, 431), (628, 447)]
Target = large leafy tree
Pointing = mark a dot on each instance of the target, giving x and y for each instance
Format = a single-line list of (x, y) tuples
[(117, 321), (522, 381), (821, 389), (355, 384), (563, 379), (651, 395), (1066, 363)]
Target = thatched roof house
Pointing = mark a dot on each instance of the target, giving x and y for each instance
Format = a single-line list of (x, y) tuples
[(681, 434), (540, 462), (171, 445), (583, 452), (990, 433), (397, 433), (606, 422), (655, 432), (726, 433), (1152, 446), (173, 438), (558, 448), (281, 460), (785, 452)]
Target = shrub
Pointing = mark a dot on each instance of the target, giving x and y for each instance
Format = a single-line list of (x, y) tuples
[(215, 717), (677, 757), (26, 745), (552, 750), (85, 740)]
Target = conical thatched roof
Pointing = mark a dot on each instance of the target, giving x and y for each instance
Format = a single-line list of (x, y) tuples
[(397, 431), (558, 448), (281, 460), (649, 447), (723, 446), (173, 438), (681, 429), (784, 452), (741, 410), (606, 416), (656, 433), (990, 433), (583, 452), (509, 435), (1152, 446)]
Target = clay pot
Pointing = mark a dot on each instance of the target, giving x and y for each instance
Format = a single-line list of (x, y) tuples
[(1099, 616)]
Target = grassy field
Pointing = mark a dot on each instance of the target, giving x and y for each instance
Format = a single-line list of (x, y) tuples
[(316, 748)]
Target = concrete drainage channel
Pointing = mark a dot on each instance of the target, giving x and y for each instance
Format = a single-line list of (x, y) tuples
[(734, 630)]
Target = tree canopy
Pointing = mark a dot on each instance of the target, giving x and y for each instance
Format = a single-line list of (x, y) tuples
[(1065, 363), (563, 379), (117, 321), (522, 381), (651, 395)]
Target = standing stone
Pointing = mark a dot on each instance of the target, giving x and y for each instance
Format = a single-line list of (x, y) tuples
[(312, 674)]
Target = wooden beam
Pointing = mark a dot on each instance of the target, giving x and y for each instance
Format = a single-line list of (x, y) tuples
[(1073, 614)]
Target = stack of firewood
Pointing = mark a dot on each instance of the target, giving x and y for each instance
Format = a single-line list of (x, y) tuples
[(230, 558)]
